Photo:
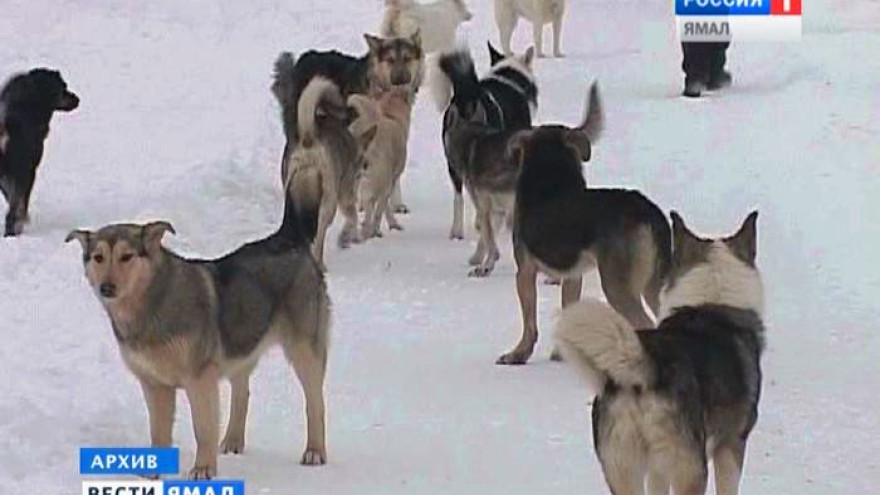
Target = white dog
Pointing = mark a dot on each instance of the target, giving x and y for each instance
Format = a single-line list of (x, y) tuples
[(436, 22), (538, 12), (388, 116)]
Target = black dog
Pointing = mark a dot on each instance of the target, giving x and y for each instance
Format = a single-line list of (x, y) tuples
[(27, 103)]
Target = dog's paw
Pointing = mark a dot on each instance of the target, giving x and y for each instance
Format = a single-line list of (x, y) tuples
[(559, 55), (395, 226), (513, 358), (202, 472), (402, 209), (481, 271), (541, 55), (456, 234), (476, 259), (232, 445), (314, 457), (556, 355)]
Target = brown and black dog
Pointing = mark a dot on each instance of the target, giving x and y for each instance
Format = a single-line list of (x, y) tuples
[(563, 228)]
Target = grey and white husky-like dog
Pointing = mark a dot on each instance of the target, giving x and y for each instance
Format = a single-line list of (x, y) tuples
[(187, 323), (672, 399)]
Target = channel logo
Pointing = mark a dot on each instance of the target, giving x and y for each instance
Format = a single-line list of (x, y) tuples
[(108, 464), (738, 20)]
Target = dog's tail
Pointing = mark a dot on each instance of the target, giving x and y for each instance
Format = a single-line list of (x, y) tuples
[(302, 204), (456, 73), (286, 88), (594, 116), (399, 4), (321, 97), (603, 346)]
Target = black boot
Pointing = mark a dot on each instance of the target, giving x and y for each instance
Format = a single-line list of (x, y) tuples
[(693, 89), (720, 80)]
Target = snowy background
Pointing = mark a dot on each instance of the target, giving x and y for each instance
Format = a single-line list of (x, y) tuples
[(177, 122)]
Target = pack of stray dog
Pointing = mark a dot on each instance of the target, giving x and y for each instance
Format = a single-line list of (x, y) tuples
[(673, 356)]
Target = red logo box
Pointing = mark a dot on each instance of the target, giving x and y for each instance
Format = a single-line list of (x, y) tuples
[(785, 7)]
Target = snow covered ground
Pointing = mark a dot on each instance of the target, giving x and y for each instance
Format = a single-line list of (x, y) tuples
[(177, 122)]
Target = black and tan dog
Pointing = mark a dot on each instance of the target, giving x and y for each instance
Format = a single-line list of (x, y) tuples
[(564, 229), (389, 62), (187, 323), (27, 103)]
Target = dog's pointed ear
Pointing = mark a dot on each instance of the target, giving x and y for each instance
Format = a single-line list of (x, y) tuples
[(683, 240), (494, 55), (373, 42), (152, 233), (83, 236), (744, 244), (516, 146), (579, 142), (528, 57), (416, 38)]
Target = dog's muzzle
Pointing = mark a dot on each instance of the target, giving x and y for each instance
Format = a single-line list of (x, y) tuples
[(107, 290)]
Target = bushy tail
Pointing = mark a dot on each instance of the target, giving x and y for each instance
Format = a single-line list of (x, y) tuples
[(457, 69), (321, 94), (286, 89), (302, 204), (603, 345), (594, 116)]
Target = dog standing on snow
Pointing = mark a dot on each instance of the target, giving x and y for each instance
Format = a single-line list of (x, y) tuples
[(538, 12), (672, 399), (325, 161), (27, 103), (436, 22), (387, 117)]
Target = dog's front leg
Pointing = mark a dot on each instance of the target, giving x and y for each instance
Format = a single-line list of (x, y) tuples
[(538, 33), (204, 400), (160, 407), (526, 290), (397, 203)]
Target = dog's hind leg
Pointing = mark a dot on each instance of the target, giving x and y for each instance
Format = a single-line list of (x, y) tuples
[(310, 363), (570, 293), (487, 238), (204, 400), (349, 234), (397, 203), (506, 18), (527, 292), (557, 31), (624, 476), (538, 34), (615, 275), (233, 441), (728, 462), (160, 406), (457, 230)]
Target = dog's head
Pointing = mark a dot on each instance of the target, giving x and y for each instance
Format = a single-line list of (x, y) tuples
[(464, 14), (44, 88), (121, 259), (395, 61), (714, 270), (522, 63), (556, 140)]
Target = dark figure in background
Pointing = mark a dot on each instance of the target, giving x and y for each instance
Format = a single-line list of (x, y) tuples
[(703, 66), (27, 103)]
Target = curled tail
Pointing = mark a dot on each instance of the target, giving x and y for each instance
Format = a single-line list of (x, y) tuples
[(457, 69), (320, 95), (603, 345)]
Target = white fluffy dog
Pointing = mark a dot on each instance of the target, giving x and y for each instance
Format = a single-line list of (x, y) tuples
[(538, 12), (436, 22)]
